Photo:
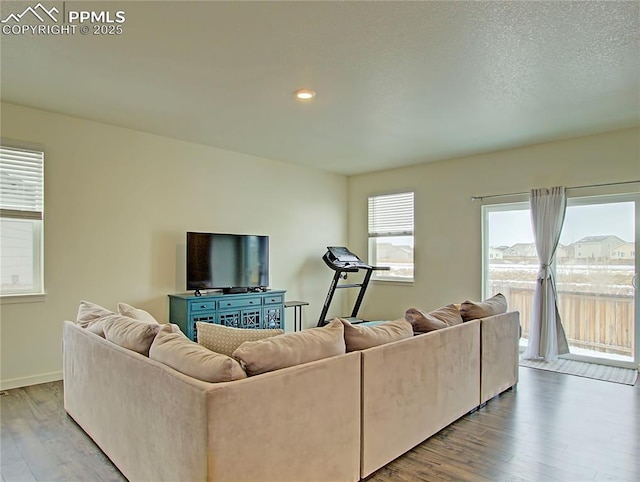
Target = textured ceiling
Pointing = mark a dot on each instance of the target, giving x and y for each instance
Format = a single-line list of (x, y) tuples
[(397, 82)]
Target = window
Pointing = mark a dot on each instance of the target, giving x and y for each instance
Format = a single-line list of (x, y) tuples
[(391, 236), (21, 214)]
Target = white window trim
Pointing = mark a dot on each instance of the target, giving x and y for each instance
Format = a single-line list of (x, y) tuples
[(382, 276), (12, 299), (35, 213)]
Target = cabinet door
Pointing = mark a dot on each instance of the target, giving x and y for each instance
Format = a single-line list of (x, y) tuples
[(245, 318), (272, 318), (230, 318), (251, 318), (196, 317)]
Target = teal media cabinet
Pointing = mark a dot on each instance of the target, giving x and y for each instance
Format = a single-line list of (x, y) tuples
[(263, 309)]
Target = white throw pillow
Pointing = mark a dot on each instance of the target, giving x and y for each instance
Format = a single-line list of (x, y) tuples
[(225, 339)]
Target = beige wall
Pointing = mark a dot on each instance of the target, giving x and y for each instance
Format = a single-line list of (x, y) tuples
[(118, 203), (117, 206), (447, 223)]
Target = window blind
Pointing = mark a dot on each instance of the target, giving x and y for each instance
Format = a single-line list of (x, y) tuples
[(391, 215), (21, 183)]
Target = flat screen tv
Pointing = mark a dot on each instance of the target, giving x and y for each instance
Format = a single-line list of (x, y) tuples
[(230, 262)]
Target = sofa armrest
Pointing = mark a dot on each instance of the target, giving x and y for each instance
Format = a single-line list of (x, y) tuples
[(149, 419), (500, 335)]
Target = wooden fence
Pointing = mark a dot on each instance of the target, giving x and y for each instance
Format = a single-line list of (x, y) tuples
[(596, 322)]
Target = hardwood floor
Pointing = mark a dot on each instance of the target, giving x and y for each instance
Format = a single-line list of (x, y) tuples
[(39, 441), (554, 427)]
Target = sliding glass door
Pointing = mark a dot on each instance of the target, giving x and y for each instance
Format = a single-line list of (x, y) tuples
[(596, 265), (510, 261), (596, 271)]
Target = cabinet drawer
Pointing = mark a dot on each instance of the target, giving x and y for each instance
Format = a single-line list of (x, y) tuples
[(273, 300), (202, 305), (239, 303)]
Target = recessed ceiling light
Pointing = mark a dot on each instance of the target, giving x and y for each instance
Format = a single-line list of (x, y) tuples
[(305, 94)]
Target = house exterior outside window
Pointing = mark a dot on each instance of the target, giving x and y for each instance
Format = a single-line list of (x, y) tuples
[(21, 221)]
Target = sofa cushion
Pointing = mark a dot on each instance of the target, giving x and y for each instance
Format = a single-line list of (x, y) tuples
[(434, 320), (175, 329), (449, 314), (192, 359), (89, 313), (361, 337), (135, 313), (292, 348), (98, 326), (473, 310), (225, 339), (129, 333), (91, 317)]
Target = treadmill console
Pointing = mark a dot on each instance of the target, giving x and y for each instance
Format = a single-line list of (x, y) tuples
[(340, 258)]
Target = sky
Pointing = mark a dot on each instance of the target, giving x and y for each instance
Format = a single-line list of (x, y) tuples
[(507, 228)]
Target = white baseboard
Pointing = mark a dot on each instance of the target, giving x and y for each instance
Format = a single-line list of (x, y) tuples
[(26, 381)]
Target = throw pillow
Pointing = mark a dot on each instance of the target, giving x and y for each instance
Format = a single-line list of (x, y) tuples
[(358, 337), (434, 320), (473, 310), (188, 357), (292, 348), (129, 333), (449, 314), (91, 317), (175, 329), (136, 313), (89, 313), (97, 327), (225, 339)]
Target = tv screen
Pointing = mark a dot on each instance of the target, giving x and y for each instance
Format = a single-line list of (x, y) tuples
[(223, 261)]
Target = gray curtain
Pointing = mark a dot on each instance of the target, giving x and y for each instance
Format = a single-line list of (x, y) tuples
[(547, 339)]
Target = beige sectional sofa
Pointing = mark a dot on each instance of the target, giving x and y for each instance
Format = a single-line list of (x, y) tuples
[(413, 388), (336, 419)]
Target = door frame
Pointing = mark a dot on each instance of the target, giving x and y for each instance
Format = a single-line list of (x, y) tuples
[(519, 203), (604, 199)]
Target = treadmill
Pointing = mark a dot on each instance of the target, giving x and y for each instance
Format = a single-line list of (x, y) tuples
[(343, 261)]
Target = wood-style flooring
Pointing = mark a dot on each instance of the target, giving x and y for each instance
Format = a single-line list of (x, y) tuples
[(553, 427)]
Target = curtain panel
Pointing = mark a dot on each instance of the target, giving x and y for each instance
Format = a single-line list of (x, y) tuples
[(547, 339)]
